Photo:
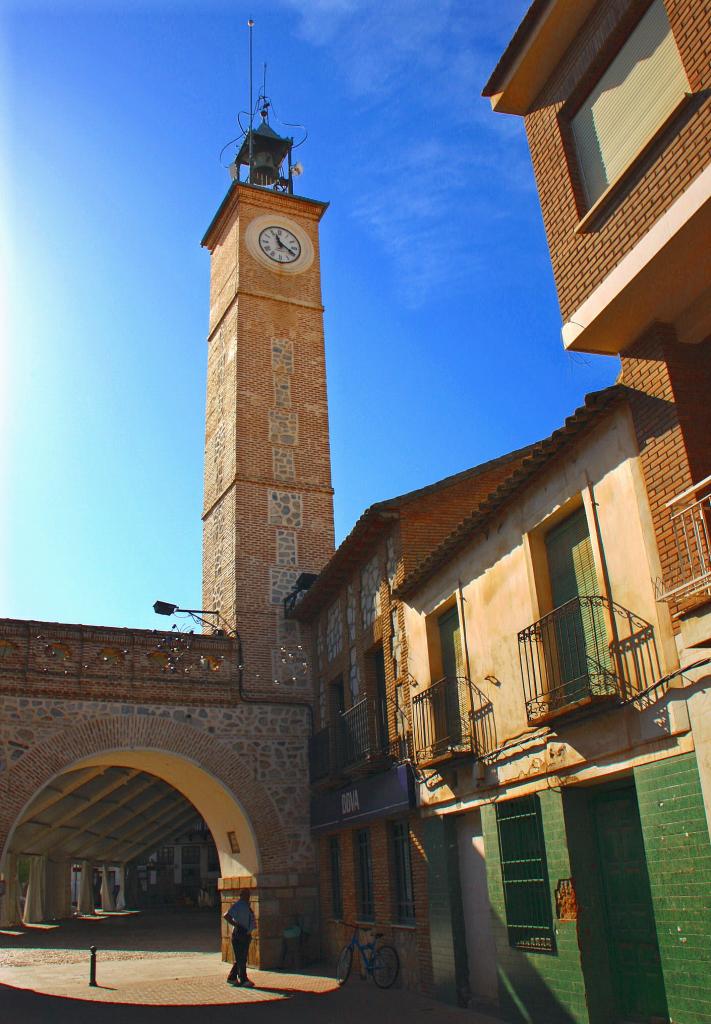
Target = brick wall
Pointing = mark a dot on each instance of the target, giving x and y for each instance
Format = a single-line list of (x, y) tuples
[(676, 841), (268, 506), (429, 520), (669, 387), (411, 942), (537, 988), (582, 260)]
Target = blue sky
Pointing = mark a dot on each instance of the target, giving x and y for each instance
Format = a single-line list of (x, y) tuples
[(442, 325)]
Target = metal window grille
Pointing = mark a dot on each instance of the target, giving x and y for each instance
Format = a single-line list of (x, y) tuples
[(365, 875), (523, 869), (404, 894), (336, 890)]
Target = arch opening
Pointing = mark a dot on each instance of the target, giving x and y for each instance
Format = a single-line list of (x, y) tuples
[(96, 831)]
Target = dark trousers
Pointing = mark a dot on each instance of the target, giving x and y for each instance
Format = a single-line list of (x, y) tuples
[(240, 945)]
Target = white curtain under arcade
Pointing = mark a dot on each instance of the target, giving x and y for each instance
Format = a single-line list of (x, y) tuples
[(10, 912), (121, 896), (85, 902), (36, 899), (107, 896)]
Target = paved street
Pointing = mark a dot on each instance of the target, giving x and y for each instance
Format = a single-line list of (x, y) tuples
[(157, 967)]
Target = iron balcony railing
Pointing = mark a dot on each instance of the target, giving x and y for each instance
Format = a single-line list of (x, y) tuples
[(690, 515), (355, 734), (590, 649), (369, 732), (483, 726), (441, 722)]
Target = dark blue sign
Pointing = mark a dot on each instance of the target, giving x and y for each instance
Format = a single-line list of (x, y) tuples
[(379, 796)]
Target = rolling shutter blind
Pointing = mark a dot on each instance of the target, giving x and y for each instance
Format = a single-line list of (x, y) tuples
[(451, 643), (637, 93), (581, 652), (570, 560)]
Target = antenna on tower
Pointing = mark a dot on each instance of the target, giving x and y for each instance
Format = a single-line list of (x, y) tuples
[(250, 25), (266, 154)]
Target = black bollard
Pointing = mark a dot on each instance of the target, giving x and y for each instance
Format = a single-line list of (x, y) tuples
[(92, 967)]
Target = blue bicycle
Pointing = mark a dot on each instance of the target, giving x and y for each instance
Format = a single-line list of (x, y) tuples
[(381, 962)]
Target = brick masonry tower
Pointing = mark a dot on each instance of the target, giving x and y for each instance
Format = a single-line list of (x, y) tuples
[(268, 501)]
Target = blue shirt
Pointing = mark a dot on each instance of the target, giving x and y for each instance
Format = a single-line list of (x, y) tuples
[(241, 913)]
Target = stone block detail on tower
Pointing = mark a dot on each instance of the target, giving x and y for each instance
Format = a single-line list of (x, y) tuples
[(283, 464), (283, 427), (285, 508)]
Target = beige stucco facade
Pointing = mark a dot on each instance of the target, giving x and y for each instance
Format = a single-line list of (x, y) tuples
[(499, 582)]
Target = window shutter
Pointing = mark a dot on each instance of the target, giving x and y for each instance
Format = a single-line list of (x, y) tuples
[(580, 649), (637, 93), (570, 560), (451, 643)]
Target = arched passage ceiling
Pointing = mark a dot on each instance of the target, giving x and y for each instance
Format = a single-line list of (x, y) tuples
[(103, 813)]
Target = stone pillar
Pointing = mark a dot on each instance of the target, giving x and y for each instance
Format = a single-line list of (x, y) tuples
[(59, 890), (10, 900), (278, 901)]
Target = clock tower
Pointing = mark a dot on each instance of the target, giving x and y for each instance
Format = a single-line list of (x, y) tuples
[(268, 501)]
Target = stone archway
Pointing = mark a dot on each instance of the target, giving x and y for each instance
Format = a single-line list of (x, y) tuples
[(253, 845)]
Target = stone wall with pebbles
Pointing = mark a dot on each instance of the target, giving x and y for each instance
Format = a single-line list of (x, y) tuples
[(268, 742)]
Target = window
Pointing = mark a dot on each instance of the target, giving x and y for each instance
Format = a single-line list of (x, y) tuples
[(450, 639), (404, 895), (213, 860), (394, 642), (524, 874), (364, 876), (635, 96), (576, 640), (336, 891), (190, 855)]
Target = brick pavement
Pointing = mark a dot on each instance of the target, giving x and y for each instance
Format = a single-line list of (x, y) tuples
[(155, 968)]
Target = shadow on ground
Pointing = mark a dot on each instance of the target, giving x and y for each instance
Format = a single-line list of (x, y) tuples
[(178, 931)]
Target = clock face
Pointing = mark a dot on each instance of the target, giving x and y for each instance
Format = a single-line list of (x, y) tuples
[(279, 244)]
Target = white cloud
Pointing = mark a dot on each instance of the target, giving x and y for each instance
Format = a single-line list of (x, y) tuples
[(415, 69)]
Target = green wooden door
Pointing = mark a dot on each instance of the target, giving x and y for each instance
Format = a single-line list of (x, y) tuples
[(448, 714), (631, 929), (578, 655)]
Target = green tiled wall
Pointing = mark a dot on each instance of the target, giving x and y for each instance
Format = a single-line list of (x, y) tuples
[(676, 840), (537, 988), (449, 963)]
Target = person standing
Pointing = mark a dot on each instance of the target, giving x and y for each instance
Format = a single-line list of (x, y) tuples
[(243, 923)]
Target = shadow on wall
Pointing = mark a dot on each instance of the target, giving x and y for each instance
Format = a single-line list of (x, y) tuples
[(525, 997)]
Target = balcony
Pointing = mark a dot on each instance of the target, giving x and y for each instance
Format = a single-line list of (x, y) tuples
[(690, 515), (367, 737), (588, 652), (452, 718)]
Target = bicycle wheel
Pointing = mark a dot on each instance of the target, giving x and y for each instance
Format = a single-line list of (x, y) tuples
[(343, 967), (386, 966)]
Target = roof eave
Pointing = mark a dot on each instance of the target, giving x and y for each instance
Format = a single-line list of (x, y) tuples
[(536, 48), (575, 426)]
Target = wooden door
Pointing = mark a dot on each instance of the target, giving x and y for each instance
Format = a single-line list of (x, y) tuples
[(629, 913)]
